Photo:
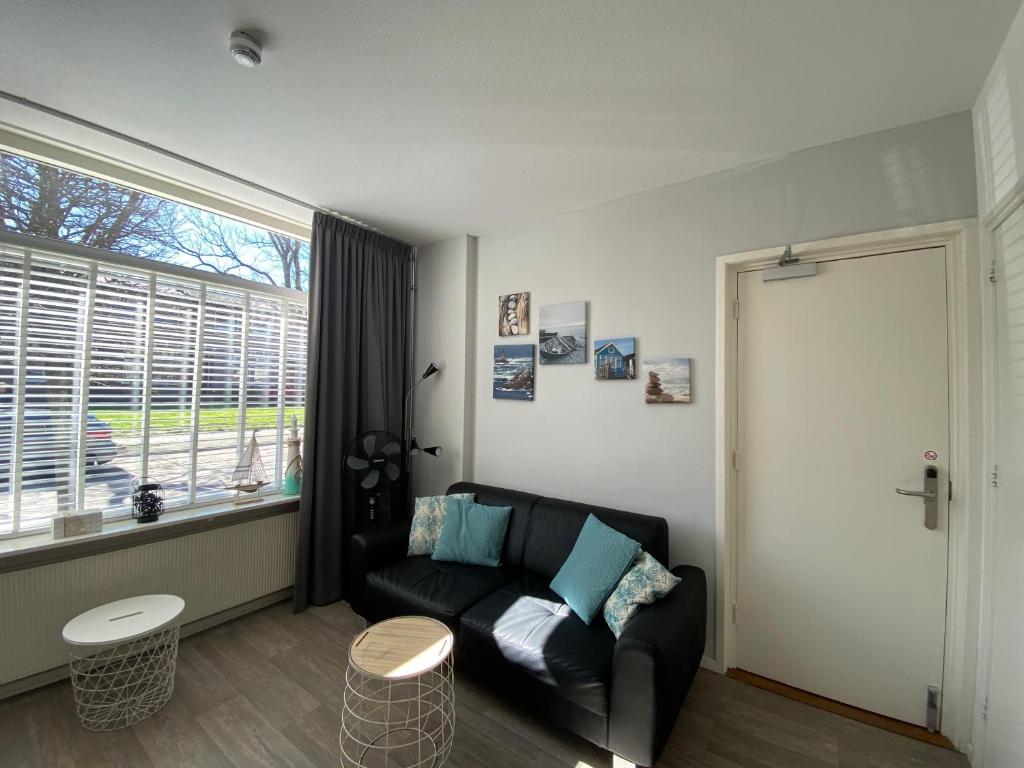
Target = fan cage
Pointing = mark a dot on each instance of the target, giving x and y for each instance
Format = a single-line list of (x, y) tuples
[(358, 460)]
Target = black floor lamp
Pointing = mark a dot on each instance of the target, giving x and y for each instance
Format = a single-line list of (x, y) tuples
[(412, 447)]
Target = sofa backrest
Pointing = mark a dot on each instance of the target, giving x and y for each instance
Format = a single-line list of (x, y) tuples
[(542, 531), (521, 503), (555, 525)]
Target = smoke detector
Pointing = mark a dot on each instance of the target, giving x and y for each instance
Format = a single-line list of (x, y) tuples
[(245, 49)]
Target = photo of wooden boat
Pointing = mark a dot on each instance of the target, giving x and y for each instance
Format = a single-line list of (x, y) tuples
[(558, 346), (563, 333)]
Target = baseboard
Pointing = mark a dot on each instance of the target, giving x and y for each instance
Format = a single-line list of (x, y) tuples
[(968, 750), (708, 663), (230, 614), (46, 677)]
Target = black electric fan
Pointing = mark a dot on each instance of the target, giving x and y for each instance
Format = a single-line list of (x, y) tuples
[(373, 461)]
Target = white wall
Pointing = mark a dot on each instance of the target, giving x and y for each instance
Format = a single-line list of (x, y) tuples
[(646, 265), (999, 123), (445, 311), (999, 132)]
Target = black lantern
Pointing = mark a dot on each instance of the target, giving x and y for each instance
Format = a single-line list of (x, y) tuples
[(147, 500)]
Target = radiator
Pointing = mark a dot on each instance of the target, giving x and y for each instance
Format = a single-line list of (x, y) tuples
[(212, 570)]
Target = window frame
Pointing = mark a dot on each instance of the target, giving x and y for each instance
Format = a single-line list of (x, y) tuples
[(91, 259)]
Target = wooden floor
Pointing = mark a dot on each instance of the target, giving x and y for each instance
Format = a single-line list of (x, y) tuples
[(265, 690)]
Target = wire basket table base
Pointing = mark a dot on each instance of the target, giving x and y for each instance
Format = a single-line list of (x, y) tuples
[(403, 723), (122, 684)]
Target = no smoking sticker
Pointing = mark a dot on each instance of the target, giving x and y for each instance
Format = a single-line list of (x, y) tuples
[(930, 455)]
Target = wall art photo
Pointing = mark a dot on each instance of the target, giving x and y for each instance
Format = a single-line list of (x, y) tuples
[(615, 359), (563, 333), (514, 314), (667, 380), (513, 372)]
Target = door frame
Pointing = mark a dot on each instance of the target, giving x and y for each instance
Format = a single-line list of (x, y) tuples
[(989, 509), (963, 292)]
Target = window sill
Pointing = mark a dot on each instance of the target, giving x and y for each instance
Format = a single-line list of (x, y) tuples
[(42, 549)]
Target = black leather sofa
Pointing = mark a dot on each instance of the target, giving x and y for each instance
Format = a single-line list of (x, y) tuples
[(516, 636)]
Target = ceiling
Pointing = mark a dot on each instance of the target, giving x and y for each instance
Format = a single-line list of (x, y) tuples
[(431, 119)]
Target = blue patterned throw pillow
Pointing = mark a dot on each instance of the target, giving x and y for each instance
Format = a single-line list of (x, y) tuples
[(645, 582), (597, 561), (428, 519)]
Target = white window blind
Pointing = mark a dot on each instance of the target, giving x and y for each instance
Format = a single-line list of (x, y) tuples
[(115, 368)]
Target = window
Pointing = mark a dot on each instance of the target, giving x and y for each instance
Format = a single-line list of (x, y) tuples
[(118, 367), (53, 202)]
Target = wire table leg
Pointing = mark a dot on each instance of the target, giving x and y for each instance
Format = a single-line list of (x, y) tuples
[(379, 728)]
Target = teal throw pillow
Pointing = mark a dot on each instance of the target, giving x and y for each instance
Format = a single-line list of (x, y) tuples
[(597, 561), (427, 520), (473, 533), (647, 581)]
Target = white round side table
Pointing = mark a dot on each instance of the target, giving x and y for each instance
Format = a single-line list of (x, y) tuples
[(399, 704), (122, 659)]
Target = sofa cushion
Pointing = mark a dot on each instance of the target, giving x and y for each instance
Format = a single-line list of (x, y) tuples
[(555, 525), (425, 587), (428, 519), (595, 565), (645, 582), (473, 534), (519, 521), (527, 626)]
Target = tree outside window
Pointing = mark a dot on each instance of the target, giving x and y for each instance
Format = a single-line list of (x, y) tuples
[(49, 201)]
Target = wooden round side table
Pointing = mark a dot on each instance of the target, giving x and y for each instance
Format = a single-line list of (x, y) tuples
[(123, 656), (399, 703)]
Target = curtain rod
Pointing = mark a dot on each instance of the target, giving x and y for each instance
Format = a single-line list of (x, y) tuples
[(81, 121)]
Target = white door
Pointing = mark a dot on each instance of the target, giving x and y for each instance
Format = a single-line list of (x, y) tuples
[(842, 397)]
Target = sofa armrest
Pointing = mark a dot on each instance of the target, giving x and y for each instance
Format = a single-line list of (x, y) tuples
[(375, 549), (655, 661)]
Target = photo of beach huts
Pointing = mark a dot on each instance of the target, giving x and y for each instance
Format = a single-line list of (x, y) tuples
[(668, 380), (615, 359), (513, 372), (563, 333), (514, 314)]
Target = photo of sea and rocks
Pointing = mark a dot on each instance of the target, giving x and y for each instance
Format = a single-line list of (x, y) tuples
[(513, 372), (563, 333)]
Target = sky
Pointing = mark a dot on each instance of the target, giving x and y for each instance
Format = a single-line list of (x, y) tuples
[(514, 350), (563, 317), (672, 370)]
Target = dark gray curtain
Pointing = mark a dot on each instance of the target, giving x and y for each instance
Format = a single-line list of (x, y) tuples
[(356, 379)]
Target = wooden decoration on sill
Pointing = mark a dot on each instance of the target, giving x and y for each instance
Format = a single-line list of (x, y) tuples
[(249, 475), (76, 525)]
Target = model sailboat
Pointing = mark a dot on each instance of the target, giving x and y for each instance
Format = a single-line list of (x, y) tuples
[(249, 475)]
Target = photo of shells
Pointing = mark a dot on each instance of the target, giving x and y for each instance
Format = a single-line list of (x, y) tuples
[(615, 359), (514, 314), (668, 380), (513, 372), (563, 333)]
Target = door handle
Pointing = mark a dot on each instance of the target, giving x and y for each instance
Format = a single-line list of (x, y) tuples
[(922, 494), (930, 494)]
